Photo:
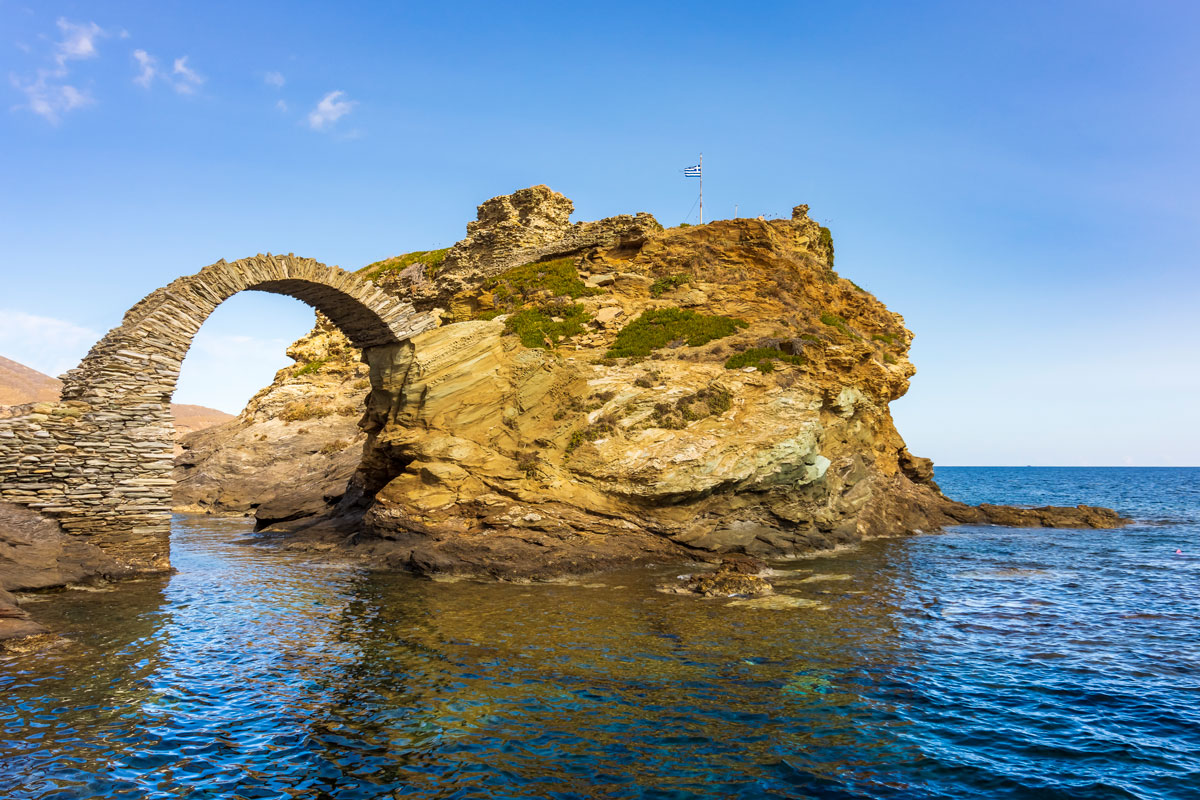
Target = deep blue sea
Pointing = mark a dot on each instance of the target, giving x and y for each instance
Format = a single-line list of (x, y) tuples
[(977, 663)]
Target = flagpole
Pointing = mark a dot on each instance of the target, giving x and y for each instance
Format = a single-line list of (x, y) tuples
[(702, 188)]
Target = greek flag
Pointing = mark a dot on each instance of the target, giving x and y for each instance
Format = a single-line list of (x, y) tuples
[(691, 172)]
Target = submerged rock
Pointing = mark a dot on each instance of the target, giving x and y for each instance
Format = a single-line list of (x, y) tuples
[(734, 577)]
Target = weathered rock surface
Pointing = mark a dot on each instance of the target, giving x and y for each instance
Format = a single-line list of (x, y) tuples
[(484, 455), (293, 449)]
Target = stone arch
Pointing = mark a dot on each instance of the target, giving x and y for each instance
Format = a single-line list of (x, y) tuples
[(100, 460), (140, 358)]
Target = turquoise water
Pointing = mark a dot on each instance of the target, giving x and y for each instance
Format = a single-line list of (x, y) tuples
[(979, 663)]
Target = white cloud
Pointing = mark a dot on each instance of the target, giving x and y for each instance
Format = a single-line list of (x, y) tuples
[(330, 110), (149, 66), (47, 97), (189, 79), (281, 105), (48, 94), (49, 345), (79, 41), (274, 79)]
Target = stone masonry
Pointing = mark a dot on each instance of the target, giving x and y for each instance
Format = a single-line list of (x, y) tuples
[(99, 460)]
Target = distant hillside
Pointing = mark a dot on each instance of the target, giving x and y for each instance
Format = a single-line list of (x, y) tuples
[(20, 384)]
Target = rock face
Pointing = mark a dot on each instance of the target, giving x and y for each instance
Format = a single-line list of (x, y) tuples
[(658, 394), (293, 449)]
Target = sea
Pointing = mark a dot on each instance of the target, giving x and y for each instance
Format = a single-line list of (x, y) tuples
[(978, 662)]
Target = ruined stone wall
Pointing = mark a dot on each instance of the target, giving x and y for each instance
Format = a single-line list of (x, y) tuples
[(529, 225), (99, 461)]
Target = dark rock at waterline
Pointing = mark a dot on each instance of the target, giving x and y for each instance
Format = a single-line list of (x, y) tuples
[(734, 577), (36, 554)]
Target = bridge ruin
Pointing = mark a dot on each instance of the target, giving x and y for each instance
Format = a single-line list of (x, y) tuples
[(99, 461)]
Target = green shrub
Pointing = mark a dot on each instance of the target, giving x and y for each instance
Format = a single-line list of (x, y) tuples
[(762, 358), (546, 326), (664, 285), (834, 321), (431, 258), (658, 328), (888, 358), (886, 338), (535, 282), (311, 367)]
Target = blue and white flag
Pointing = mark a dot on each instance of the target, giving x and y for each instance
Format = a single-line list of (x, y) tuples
[(691, 172)]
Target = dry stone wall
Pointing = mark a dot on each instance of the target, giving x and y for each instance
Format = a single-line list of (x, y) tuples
[(99, 461)]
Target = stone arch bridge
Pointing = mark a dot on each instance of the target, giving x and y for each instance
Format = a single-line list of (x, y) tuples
[(99, 461)]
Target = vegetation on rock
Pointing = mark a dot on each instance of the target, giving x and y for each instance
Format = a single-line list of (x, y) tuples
[(762, 358), (835, 321), (431, 258), (546, 326), (661, 327), (704, 403), (664, 285), (537, 282), (311, 367), (827, 242)]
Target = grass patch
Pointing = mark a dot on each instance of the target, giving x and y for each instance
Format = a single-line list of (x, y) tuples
[(531, 283), (431, 258), (664, 285), (888, 358), (762, 358), (834, 321), (887, 338), (658, 328), (335, 446), (545, 327), (301, 410), (311, 367)]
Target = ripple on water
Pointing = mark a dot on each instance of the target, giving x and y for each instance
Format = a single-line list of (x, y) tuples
[(980, 663)]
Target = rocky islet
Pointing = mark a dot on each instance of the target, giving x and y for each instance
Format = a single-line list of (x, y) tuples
[(564, 397)]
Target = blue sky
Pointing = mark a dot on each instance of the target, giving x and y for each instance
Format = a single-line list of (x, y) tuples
[(1019, 180)]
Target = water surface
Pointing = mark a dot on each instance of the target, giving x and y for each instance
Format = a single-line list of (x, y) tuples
[(983, 662)]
